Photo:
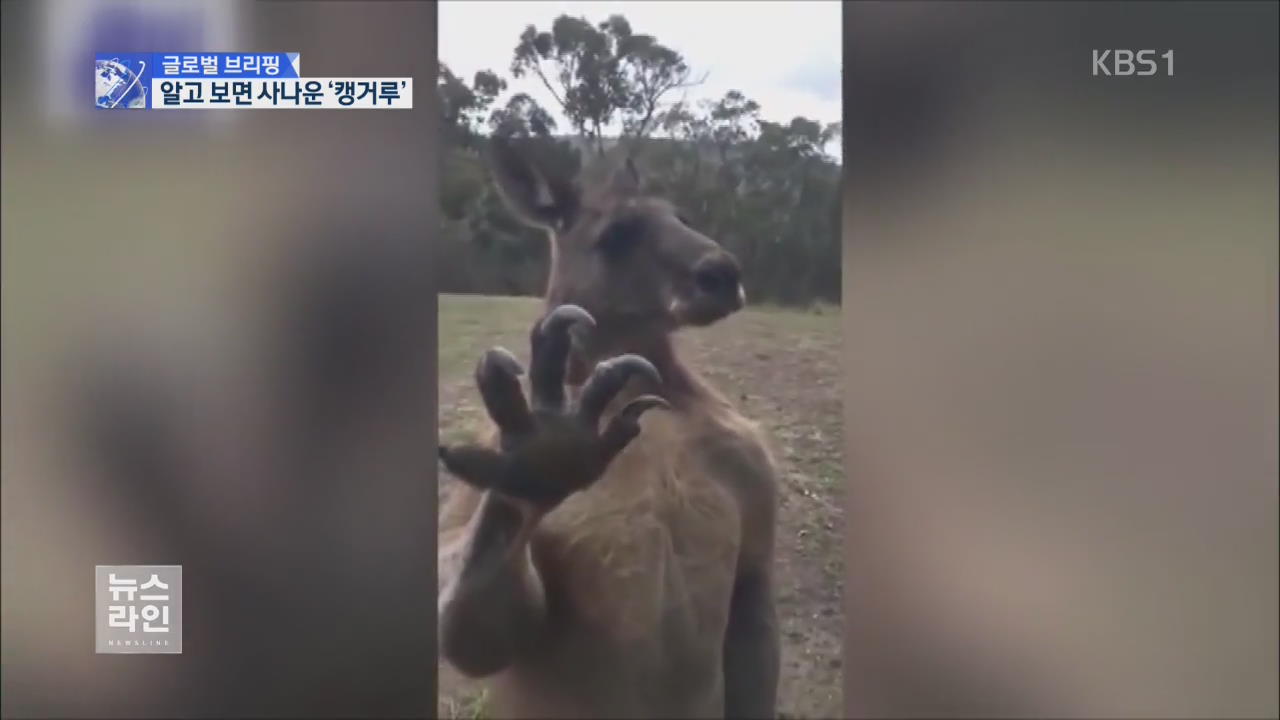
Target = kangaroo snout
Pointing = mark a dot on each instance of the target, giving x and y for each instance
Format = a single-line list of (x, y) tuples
[(718, 276)]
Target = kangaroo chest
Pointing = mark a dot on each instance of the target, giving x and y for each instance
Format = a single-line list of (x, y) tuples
[(638, 573), (651, 546)]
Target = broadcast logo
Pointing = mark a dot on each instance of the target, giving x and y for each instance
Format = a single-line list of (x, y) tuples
[(118, 84), (138, 609)]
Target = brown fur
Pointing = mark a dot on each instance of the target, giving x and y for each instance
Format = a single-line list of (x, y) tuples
[(638, 573)]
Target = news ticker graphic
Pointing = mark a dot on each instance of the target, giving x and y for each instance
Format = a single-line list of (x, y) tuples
[(223, 81)]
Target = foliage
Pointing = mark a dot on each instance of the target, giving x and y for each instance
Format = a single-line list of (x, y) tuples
[(766, 191), (599, 73)]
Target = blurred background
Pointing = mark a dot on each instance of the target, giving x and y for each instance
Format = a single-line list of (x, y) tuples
[(219, 352), (1060, 361)]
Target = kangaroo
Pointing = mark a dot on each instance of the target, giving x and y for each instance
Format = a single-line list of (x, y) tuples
[(609, 553)]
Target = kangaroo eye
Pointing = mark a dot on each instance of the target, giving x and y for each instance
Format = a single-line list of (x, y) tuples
[(619, 237)]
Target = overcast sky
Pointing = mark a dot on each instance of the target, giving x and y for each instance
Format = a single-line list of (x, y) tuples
[(784, 55)]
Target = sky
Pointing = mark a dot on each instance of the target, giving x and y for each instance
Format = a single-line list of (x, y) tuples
[(784, 55)]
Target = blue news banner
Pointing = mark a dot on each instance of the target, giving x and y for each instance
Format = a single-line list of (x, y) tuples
[(211, 81)]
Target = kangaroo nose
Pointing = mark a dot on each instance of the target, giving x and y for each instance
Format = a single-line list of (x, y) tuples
[(718, 275)]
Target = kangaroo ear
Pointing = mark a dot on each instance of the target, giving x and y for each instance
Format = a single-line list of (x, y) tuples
[(538, 195)]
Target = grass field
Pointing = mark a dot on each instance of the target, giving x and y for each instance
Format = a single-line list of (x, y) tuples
[(781, 367)]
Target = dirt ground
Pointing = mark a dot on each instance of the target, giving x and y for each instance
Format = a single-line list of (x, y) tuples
[(781, 368)]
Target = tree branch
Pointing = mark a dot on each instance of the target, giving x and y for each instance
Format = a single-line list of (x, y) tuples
[(537, 70)]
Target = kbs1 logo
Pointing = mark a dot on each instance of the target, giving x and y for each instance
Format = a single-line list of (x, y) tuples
[(1123, 63), (138, 609)]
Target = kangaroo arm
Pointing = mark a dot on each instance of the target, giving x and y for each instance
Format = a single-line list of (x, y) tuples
[(492, 603), (751, 651)]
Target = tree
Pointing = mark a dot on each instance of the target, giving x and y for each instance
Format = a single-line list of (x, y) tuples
[(464, 107), (734, 119), (599, 73), (522, 117), (765, 190)]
